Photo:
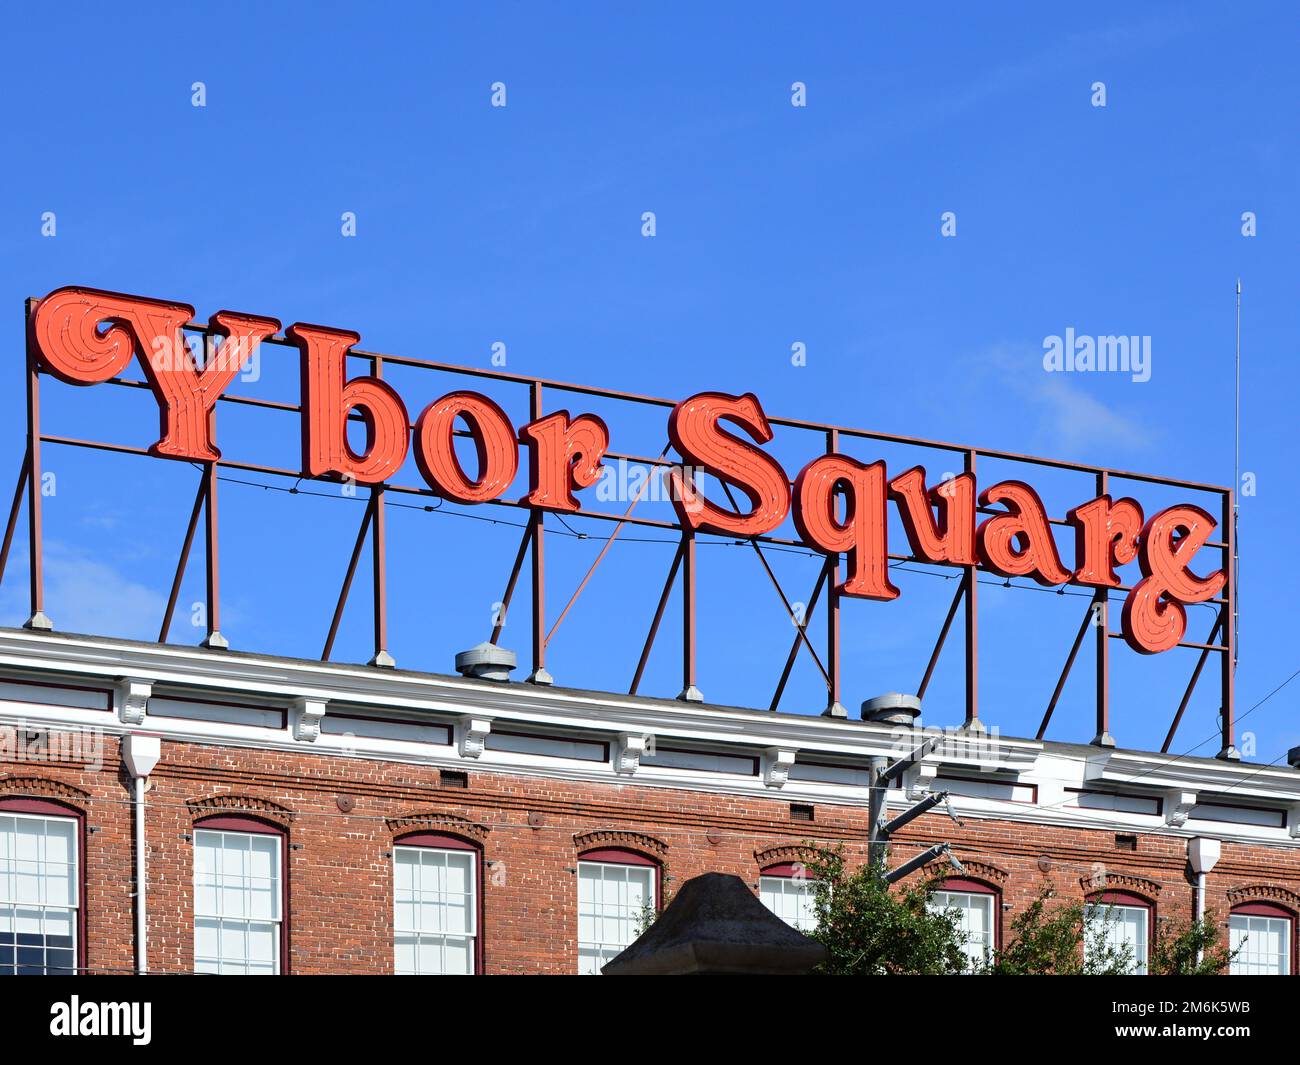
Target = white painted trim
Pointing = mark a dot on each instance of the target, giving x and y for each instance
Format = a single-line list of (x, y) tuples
[(630, 725)]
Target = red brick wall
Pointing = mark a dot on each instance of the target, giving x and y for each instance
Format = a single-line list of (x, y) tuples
[(340, 907)]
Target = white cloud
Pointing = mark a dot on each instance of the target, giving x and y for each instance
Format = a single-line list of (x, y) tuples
[(1080, 422), (83, 594), (1064, 416)]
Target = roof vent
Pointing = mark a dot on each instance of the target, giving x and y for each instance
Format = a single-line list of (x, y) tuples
[(486, 661), (893, 708), (1293, 757)]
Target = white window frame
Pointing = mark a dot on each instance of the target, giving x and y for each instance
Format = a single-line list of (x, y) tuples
[(1246, 963), (223, 921), (962, 900), (1107, 912), (8, 895), (802, 889), (607, 951), (472, 857)]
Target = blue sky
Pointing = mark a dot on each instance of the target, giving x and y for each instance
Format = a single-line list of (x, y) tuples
[(775, 225)]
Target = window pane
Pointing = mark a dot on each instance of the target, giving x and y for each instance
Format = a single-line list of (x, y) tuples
[(1264, 945), (231, 939), (457, 956), (205, 943), (793, 899), (261, 942), (612, 902), (975, 922), (1119, 929), (39, 892), (262, 855), (237, 907), (434, 910), (404, 954)]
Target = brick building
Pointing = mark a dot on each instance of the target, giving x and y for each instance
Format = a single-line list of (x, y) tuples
[(308, 817)]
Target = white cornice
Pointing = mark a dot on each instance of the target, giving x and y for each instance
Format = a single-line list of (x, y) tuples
[(290, 679), (1148, 771), (310, 690)]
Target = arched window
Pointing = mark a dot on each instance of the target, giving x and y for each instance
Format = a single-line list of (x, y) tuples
[(617, 890), (240, 893), (788, 892), (1263, 935), (1119, 921), (41, 888), (437, 903), (979, 910)]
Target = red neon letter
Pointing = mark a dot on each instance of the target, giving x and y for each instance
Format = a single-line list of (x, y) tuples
[(187, 395), (694, 431), (494, 438), (1105, 536), (327, 400), (863, 534), (950, 539), (1019, 543), (563, 455), (71, 346), (1153, 619)]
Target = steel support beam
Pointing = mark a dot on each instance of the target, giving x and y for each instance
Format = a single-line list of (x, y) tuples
[(500, 622), (972, 721), (214, 639), (1101, 645), (347, 582), (12, 524), (796, 643), (37, 619), (689, 693), (183, 559), (654, 625), (539, 674), (943, 636), (379, 563), (609, 542), (800, 634), (1191, 684), (1228, 659), (1065, 672), (834, 708)]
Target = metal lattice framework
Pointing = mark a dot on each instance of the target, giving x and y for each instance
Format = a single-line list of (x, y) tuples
[(1220, 640)]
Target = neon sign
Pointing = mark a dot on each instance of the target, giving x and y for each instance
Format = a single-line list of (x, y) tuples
[(839, 505)]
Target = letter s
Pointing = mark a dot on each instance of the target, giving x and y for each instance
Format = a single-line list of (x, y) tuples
[(694, 431)]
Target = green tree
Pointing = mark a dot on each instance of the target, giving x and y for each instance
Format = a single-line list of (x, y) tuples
[(1049, 941), (1190, 950), (871, 930)]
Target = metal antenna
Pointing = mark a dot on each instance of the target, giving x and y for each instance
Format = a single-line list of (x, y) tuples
[(1236, 497)]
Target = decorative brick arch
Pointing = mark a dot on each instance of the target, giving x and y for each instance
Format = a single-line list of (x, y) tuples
[(40, 788), (433, 821), (975, 870), (1105, 882), (1264, 893), (240, 805), (602, 838), (789, 852)]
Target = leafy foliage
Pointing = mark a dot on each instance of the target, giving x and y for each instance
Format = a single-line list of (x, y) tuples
[(1191, 950), (871, 930), (868, 928), (1050, 942)]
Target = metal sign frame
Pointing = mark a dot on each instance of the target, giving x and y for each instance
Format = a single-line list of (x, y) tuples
[(682, 571)]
